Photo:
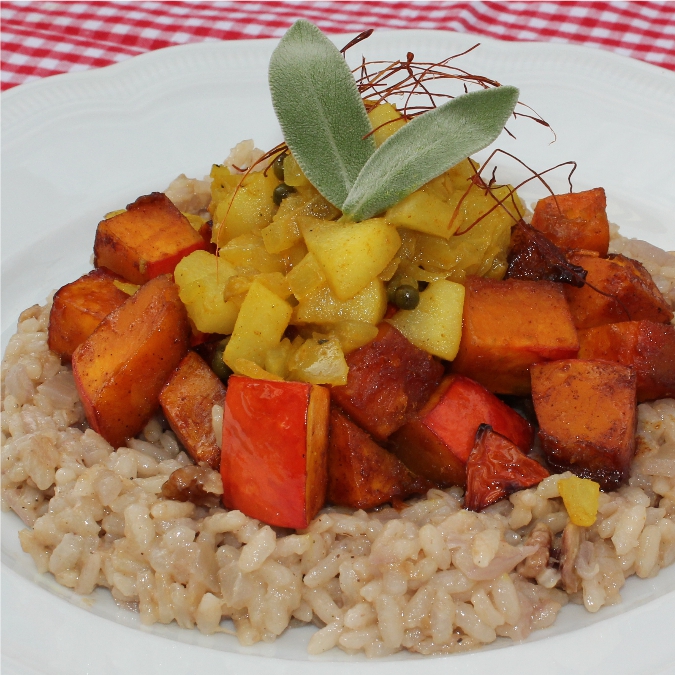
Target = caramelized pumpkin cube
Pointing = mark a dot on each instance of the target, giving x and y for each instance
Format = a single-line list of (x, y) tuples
[(587, 416), (437, 442), (389, 380), (275, 444), (497, 468), (148, 239), (79, 307), (626, 293), (123, 365), (508, 326), (187, 400), (575, 221), (645, 346), (362, 474)]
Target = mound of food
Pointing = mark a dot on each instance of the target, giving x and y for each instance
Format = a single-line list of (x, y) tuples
[(420, 424)]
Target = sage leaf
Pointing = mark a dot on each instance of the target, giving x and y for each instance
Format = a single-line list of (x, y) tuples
[(427, 146), (320, 111)]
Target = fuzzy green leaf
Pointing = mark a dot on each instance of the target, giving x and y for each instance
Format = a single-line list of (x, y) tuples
[(427, 146), (320, 110)]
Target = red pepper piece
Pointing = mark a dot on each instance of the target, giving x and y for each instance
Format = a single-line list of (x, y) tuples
[(496, 469)]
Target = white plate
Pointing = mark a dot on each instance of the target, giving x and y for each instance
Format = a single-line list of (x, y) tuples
[(77, 146)]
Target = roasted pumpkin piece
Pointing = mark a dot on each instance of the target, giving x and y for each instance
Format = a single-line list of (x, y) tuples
[(148, 239), (509, 325), (647, 347), (123, 365), (79, 307), (389, 380), (437, 442), (534, 256), (274, 457), (187, 400), (497, 468), (362, 474), (587, 416), (626, 292), (575, 221)]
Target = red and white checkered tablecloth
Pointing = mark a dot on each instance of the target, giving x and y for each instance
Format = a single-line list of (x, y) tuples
[(45, 38)]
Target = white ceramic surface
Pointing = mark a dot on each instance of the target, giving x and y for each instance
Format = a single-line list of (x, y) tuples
[(77, 146)]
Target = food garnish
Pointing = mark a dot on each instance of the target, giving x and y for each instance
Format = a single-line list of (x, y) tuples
[(326, 127)]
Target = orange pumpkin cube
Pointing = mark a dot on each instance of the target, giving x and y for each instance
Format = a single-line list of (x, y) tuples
[(79, 307), (123, 365), (645, 346), (389, 380), (187, 400), (361, 474), (627, 293), (575, 221), (148, 239), (587, 418), (437, 442), (497, 468), (509, 325), (274, 456)]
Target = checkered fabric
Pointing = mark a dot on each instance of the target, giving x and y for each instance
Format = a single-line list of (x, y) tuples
[(46, 38)]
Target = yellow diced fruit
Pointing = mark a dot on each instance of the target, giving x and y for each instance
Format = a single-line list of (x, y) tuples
[(293, 174), (281, 234), (125, 287), (386, 121), (581, 497), (248, 250), (254, 371), (201, 279), (293, 256), (237, 285), (223, 184), (435, 325), (276, 282), (261, 323), (424, 212), (249, 206), (197, 222), (353, 334), (319, 360), (351, 254), (306, 277), (323, 307), (276, 359), (112, 214), (284, 231), (479, 248), (461, 174)]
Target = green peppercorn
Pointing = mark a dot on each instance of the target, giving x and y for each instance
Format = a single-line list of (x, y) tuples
[(219, 367), (280, 193), (406, 297), (278, 166)]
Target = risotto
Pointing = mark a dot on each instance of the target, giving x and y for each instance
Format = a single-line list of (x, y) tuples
[(429, 577)]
